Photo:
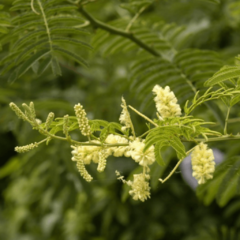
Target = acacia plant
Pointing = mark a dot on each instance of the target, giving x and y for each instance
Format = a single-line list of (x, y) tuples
[(48, 35)]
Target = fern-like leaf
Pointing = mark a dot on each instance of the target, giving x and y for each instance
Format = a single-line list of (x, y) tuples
[(44, 32)]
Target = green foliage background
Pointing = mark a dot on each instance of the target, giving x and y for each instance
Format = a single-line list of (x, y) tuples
[(43, 195)]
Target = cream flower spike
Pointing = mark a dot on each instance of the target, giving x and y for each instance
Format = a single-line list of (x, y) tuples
[(203, 164), (82, 120), (140, 189), (125, 116), (166, 102)]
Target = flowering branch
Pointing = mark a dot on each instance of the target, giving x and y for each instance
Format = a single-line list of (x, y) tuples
[(170, 129)]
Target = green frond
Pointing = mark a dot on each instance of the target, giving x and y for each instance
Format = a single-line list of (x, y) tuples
[(5, 23), (185, 74), (51, 27), (224, 74)]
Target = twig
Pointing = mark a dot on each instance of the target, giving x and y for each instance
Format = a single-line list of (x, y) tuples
[(143, 116), (117, 31), (226, 121), (175, 168), (135, 18)]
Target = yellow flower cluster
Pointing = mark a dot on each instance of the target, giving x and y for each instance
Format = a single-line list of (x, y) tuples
[(166, 102), (203, 164)]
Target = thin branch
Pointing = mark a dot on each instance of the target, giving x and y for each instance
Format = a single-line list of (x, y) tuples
[(226, 121), (143, 116), (46, 25), (175, 168), (33, 9), (68, 139), (117, 31), (135, 17)]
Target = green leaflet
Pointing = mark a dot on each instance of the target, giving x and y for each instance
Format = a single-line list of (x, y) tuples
[(157, 152), (55, 67), (67, 30), (161, 137), (24, 54), (225, 73), (97, 125), (27, 64), (109, 129), (70, 55), (60, 8), (235, 100), (178, 146), (70, 41), (28, 38), (43, 66)]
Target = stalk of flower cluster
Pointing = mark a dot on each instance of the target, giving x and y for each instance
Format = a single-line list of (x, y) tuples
[(203, 164), (82, 120), (166, 102)]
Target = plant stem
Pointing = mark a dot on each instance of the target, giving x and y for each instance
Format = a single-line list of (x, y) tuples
[(143, 116), (174, 169), (135, 18), (41, 130), (117, 31), (234, 120), (226, 121), (46, 25)]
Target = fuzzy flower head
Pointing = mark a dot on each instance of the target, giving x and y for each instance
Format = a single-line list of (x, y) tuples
[(125, 116), (203, 164), (138, 155), (82, 120), (140, 189), (166, 102)]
